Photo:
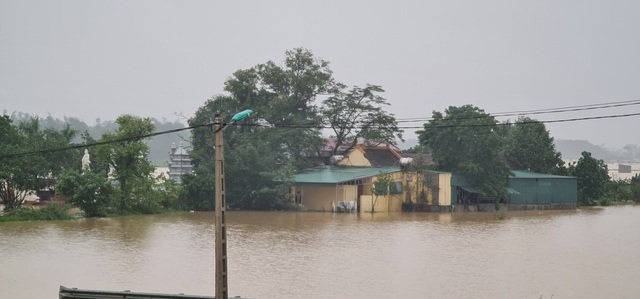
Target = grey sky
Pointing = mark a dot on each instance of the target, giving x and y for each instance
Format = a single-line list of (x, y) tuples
[(101, 59)]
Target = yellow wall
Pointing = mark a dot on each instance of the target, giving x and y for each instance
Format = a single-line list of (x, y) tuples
[(320, 198), (354, 158), (391, 203), (444, 185)]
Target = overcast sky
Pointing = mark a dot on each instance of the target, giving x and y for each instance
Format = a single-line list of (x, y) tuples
[(101, 59)]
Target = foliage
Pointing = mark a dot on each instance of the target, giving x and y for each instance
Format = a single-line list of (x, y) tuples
[(263, 152), (255, 161), (128, 158), (529, 146), (158, 145), (466, 140), (167, 193), (198, 192), (624, 190), (634, 185), (593, 178), (258, 162), (424, 179), (359, 113), (53, 211), (22, 174), (285, 96), (381, 187), (89, 191)]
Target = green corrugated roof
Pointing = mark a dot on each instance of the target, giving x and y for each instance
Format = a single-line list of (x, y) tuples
[(524, 174), (476, 190), (335, 175)]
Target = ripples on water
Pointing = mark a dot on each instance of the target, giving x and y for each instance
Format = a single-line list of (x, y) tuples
[(589, 253)]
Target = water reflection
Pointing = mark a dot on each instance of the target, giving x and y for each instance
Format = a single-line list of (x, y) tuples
[(589, 253)]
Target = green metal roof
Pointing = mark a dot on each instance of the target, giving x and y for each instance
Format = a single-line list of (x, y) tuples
[(335, 175), (476, 190), (524, 174)]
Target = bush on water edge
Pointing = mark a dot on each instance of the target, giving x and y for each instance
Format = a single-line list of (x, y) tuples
[(53, 211)]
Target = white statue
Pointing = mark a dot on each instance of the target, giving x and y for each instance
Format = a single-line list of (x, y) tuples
[(86, 162), (111, 170)]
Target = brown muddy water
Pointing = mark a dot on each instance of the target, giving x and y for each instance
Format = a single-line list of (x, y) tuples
[(588, 253)]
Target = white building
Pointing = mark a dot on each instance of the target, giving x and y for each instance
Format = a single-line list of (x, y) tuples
[(179, 163), (623, 171)]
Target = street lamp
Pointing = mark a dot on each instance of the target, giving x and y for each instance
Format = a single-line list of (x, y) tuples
[(222, 290)]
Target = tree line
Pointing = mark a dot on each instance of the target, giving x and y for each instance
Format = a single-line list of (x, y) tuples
[(296, 103), (158, 145), (471, 142)]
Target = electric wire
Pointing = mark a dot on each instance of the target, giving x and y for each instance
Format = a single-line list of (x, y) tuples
[(87, 145), (317, 126), (540, 111)]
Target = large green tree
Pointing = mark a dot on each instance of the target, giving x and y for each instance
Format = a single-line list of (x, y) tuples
[(21, 174), (255, 161), (89, 191), (284, 134), (127, 155), (359, 113), (530, 146), (285, 96), (593, 178), (466, 140)]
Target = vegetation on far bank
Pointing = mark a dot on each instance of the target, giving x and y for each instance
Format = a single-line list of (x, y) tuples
[(294, 102), (53, 211)]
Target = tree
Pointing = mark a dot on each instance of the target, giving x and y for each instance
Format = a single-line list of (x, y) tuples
[(89, 191), (255, 161), (466, 140), (529, 146), (285, 96), (262, 152), (593, 178), (381, 187), (128, 158), (634, 186), (10, 183), (23, 174), (359, 113)]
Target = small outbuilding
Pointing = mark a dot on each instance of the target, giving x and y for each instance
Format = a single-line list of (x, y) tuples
[(526, 190), (544, 190)]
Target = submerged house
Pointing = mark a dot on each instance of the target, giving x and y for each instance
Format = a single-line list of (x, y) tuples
[(347, 183)]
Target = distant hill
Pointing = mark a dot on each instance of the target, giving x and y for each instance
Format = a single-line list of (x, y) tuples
[(159, 146), (572, 150)]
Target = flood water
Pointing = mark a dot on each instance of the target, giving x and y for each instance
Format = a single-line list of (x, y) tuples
[(588, 253)]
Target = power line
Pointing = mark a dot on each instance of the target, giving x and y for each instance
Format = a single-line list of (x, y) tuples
[(541, 111), (119, 140), (317, 126), (309, 126)]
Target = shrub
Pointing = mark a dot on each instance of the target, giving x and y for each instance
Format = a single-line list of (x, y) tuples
[(54, 211)]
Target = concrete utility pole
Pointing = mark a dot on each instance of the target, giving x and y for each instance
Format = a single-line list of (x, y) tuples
[(222, 291)]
